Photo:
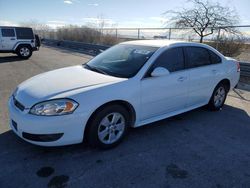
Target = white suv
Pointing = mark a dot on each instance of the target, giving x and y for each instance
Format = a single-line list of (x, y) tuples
[(19, 40)]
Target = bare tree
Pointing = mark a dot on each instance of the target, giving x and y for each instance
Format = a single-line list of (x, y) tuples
[(204, 18)]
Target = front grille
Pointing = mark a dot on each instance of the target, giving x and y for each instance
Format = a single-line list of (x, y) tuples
[(18, 104), (42, 137)]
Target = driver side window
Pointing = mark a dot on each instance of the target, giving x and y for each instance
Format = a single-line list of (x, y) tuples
[(172, 59)]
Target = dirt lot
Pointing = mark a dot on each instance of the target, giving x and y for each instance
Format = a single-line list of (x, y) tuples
[(196, 149)]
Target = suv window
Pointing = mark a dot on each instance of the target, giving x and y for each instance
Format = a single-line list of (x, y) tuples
[(214, 57), (197, 56), (24, 33), (8, 33), (171, 59)]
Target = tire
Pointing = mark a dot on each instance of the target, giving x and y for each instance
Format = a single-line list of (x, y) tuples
[(218, 97), (24, 51), (38, 41), (104, 134)]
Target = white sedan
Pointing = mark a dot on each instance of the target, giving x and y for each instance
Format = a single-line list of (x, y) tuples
[(129, 85)]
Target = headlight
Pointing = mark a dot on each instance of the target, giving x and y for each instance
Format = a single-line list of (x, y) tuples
[(54, 107)]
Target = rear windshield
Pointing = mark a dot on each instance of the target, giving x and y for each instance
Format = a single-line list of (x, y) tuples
[(24, 33)]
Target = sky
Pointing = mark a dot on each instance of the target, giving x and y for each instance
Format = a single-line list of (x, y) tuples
[(115, 13)]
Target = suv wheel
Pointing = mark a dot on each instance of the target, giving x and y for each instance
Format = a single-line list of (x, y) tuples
[(108, 127), (24, 52), (218, 98)]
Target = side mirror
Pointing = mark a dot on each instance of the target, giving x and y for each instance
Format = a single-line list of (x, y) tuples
[(160, 71)]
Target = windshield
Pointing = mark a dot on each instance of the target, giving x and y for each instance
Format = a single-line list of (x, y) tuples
[(122, 60)]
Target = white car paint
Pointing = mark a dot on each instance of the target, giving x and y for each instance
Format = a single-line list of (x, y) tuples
[(152, 98)]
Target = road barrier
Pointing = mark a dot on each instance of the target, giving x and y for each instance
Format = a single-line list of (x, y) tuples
[(91, 49), (95, 49), (245, 69)]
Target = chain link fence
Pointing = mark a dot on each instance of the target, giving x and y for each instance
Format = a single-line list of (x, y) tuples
[(175, 33)]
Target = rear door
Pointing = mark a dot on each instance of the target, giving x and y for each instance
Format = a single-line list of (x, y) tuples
[(25, 35), (204, 72), (8, 39)]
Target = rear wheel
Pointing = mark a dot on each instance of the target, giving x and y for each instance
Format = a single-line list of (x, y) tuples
[(218, 98), (108, 127), (24, 51)]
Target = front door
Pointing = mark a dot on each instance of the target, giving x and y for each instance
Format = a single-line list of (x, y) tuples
[(165, 94)]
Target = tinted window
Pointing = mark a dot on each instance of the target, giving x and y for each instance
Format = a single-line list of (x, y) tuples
[(214, 58), (8, 33), (171, 59), (197, 56), (24, 33)]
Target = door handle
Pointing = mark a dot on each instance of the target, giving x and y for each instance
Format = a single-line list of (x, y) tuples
[(182, 78), (214, 71), (12, 39)]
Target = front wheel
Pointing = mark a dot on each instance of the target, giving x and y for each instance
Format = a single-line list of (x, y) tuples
[(24, 52), (108, 127), (218, 98)]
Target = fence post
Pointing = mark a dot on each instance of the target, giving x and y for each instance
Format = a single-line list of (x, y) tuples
[(169, 34), (116, 33), (138, 36), (218, 38)]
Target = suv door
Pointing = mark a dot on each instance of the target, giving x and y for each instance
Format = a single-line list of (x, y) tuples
[(8, 39), (204, 72), (165, 94)]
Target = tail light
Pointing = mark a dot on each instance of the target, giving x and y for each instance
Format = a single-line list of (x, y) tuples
[(238, 66)]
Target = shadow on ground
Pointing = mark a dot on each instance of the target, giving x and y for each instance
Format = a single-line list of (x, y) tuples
[(196, 149), (10, 58)]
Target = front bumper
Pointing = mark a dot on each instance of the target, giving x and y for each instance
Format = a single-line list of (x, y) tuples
[(47, 130)]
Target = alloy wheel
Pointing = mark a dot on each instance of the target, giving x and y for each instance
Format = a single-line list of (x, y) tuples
[(111, 128), (219, 96)]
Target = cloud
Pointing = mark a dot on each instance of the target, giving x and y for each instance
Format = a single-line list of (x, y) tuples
[(93, 4), (7, 23), (159, 19), (93, 20), (56, 23), (68, 2)]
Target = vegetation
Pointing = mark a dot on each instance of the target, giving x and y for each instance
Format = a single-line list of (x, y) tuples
[(230, 46), (85, 34), (204, 17)]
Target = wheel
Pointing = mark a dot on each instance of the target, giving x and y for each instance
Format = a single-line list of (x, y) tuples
[(108, 127), (24, 52), (218, 97)]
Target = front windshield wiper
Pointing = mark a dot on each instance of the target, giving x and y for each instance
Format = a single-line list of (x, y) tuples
[(95, 69)]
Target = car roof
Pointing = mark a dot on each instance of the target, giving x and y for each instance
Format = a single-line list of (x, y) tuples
[(173, 43), (162, 43), (15, 27)]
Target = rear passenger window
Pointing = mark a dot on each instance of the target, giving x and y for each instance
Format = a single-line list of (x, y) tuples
[(197, 56), (214, 58), (171, 59), (8, 33), (24, 33)]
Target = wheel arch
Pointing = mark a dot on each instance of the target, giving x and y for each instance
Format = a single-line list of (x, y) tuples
[(21, 44), (129, 107), (225, 82)]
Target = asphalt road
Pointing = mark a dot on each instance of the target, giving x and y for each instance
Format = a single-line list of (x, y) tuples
[(196, 149)]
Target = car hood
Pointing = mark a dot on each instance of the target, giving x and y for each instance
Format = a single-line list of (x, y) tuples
[(48, 85)]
